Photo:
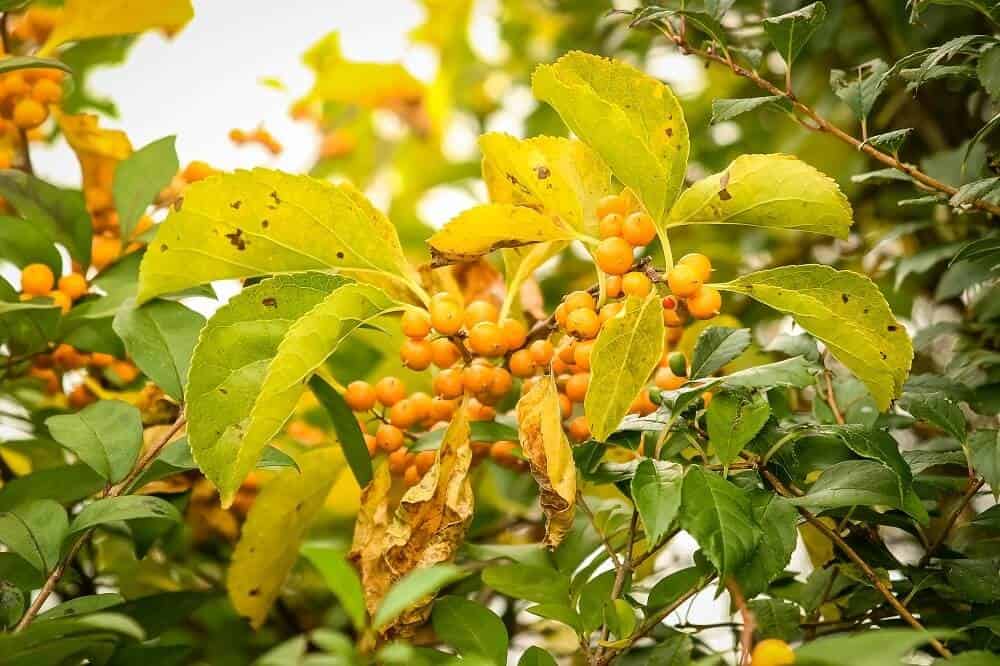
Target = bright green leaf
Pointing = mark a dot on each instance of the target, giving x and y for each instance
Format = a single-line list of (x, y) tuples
[(718, 515), (715, 347), (125, 507), (341, 578), (656, 491), (413, 587), (139, 178), (733, 419), (35, 530), (107, 436), (790, 32)]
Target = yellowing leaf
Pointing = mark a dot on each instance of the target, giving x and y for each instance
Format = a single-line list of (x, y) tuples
[(627, 350), (483, 229), (262, 222), (818, 546), (773, 191), (632, 120), (426, 528), (274, 529), (559, 177), (98, 150), (549, 455), (85, 19), (520, 264), (367, 84), (847, 312)]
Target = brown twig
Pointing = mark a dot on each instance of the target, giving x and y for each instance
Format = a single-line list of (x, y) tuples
[(621, 572), (821, 124), (746, 632), (859, 561), (831, 399), (970, 492)]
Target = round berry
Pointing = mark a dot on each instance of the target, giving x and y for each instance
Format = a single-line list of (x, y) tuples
[(541, 352), (444, 353), (521, 363), (613, 286), (29, 113), (486, 339), (514, 333), (411, 476), (61, 300), (416, 354), (610, 226), (398, 460), (583, 324), (403, 414), (476, 378), (772, 652), (442, 409), (611, 204), (683, 281), (579, 429), (705, 303), (446, 316), (636, 284), (388, 437), (502, 452), (360, 396), (638, 229), (576, 386), (390, 390), (667, 380), (416, 323), (480, 311), (37, 280), (614, 256), (449, 383), (581, 354), (677, 363), (73, 285), (698, 263), (424, 461), (578, 300), (500, 383)]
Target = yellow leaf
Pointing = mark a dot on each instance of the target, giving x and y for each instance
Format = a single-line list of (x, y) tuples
[(274, 529), (519, 265), (367, 84), (549, 455), (820, 548), (98, 150), (483, 229), (427, 527), (559, 177), (85, 19)]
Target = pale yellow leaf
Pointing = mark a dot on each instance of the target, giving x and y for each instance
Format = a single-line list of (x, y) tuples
[(85, 19), (367, 84)]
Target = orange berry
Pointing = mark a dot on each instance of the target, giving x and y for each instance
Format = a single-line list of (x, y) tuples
[(45, 91), (80, 397), (705, 303), (486, 339), (449, 383), (699, 263), (514, 333), (477, 378), (502, 452), (644, 404), (772, 652), (411, 476), (49, 379), (37, 279), (636, 284), (68, 358), (501, 383), (667, 380), (610, 226), (421, 403), (416, 323), (371, 443), (541, 352), (559, 366), (388, 437), (103, 251), (403, 414), (566, 350), (565, 406), (416, 354), (581, 354), (579, 429), (444, 353), (560, 315), (613, 286), (446, 316), (583, 324), (521, 363), (197, 170), (480, 412), (398, 460), (638, 229), (61, 300), (578, 300), (99, 360), (390, 390), (14, 84), (424, 461), (73, 285), (480, 311), (360, 396), (442, 409), (576, 386), (29, 113), (611, 204), (683, 281), (614, 256), (126, 372)]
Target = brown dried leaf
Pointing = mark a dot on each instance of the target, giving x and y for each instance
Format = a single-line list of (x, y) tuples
[(426, 528), (545, 445)]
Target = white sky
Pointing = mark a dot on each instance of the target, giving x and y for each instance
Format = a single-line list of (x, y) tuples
[(206, 80)]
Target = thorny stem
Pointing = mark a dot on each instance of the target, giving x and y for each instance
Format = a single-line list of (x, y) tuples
[(859, 561), (970, 492), (114, 491), (821, 124)]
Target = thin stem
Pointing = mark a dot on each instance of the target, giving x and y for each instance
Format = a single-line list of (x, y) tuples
[(582, 503), (114, 491), (970, 492), (620, 574), (746, 632), (831, 399)]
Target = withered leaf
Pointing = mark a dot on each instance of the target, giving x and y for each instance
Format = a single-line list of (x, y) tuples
[(545, 445)]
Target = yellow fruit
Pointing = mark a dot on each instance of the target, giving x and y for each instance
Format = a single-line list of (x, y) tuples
[(197, 170), (614, 256), (772, 652), (416, 354), (360, 396), (683, 281), (638, 229), (388, 437), (446, 316), (579, 429), (636, 284), (73, 285), (705, 303), (29, 113), (514, 334), (416, 323), (479, 311), (37, 280), (610, 226), (390, 390), (62, 300), (584, 324), (699, 263), (46, 91), (612, 204), (444, 353), (486, 339)]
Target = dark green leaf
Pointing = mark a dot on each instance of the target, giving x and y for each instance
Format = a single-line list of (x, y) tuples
[(867, 648), (853, 482), (341, 578), (975, 580), (656, 491), (107, 436), (717, 346), (126, 507), (594, 597), (777, 519), (988, 69), (22, 242), (35, 531), (776, 618), (718, 516), (860, 88), (64, 484), (728, 109), (790, 32), (139, 178), (668, 590), (541, 585), (936, 408), (536, 656), (352, 440), (60, 213), (733, 419), (470, 628), (984, 449)]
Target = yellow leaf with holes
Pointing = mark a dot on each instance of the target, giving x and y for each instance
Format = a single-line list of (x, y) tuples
[(86, 19), (559, 177), (274, 530), (483, 229), (549, 455)]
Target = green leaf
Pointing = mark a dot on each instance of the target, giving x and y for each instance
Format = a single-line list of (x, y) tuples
[(675, 650), (733, 419), (22, 242), (65, 484), (558, 612), (633, 121), (975, 580), (656, 491), (988, 69), (15, 62), (176, 457), (125, 507), (866, 648), (483, 229), (853, 482), (412, 588), (539, 584), (674, 586), (724, 110), (717, 346), (984, 450), (626, 351), (27, 327), (231, 359), (861, 87), (470, 628), (536, 656), (937, 408), (890, 142), (847, 312), (56, 641), (479, 431), (341, 578), (59, 213), (790, 32), (776, 618), (35, 531), (771, 191), (107, 436), (80, 605), (139, 178), (595, 596), (718, 516), (261, 222), (561, 178), (160, 337), (349, 434), (272, 535), (777, 519)]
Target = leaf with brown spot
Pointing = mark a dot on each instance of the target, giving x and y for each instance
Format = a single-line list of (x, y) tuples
[(549, 455), (426, 528)]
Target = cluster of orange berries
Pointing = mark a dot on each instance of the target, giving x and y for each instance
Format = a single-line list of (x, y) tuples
[(259, 136), (36, 24), (46, 368), (38, 280), (25, 98)]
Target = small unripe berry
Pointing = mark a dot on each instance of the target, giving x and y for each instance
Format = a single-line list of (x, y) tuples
[(677, 363)]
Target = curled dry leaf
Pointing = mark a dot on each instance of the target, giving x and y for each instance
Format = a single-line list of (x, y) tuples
[(545, 445), (426, 528)]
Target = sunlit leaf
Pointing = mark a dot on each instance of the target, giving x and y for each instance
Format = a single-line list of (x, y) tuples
[(139, 178), (106, 436), (85, 19), (483, 229)]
